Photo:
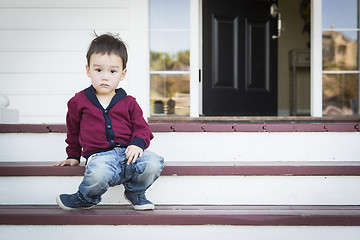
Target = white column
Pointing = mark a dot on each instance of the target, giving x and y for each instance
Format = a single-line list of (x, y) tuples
[(316, 58), (138, 77), (7, 115), (194, 58)]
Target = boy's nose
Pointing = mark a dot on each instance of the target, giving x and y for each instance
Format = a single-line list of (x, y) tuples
[(105, 76)]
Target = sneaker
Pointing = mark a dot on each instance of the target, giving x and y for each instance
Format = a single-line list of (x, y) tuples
[(139, 201), (72, 202)]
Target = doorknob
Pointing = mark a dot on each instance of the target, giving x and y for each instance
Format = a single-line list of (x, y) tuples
[(274, 11)]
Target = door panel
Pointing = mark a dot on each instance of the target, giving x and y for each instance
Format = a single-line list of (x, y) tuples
[(257, 63), (239, 58), (224, 52)]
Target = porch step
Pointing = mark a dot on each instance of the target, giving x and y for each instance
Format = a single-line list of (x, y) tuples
[(185, 215), (309, 168), (215, 185), (279, 183), (205, 146)]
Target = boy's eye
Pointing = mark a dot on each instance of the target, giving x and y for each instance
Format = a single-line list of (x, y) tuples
[(98, 70), (113, 71)]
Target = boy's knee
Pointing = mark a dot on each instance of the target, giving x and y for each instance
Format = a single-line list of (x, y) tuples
[(155, 166), (152, 157), (152, 167), (98, 175)]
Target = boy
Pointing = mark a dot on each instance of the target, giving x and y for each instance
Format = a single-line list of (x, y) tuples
[(106, 126)]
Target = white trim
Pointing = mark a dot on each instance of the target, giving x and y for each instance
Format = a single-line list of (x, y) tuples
[(341, 72), (200, 17), (194, 58), (358, 102), (138, 83), (168, 30), (170, 72), (316, 59)]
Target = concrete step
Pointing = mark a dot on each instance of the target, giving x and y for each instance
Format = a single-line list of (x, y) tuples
[(304, 183)]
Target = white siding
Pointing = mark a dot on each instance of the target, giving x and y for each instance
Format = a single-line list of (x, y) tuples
[(64, 3), (43, 44)]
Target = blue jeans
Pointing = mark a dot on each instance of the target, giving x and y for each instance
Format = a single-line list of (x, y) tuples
[(110, 168)]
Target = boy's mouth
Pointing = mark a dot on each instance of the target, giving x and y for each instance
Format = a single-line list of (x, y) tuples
[(104, 85)]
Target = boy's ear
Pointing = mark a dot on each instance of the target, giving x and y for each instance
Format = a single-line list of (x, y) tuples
[(123, 74), (87, 70)]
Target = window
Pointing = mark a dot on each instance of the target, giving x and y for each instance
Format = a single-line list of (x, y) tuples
[(341, 73), (170, 57)]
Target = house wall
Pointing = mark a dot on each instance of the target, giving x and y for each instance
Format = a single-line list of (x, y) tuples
[(43, 45), (292, 37)]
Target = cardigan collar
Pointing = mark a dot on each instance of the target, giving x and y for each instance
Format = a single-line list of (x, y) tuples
[(90, 94)]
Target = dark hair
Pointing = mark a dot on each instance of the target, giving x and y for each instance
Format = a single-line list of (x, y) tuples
[(108, 44)]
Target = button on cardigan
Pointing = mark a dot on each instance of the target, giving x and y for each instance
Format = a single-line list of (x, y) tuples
[(93, 129)]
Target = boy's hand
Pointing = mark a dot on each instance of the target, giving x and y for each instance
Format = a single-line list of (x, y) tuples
[(67, 162), (132, 153)]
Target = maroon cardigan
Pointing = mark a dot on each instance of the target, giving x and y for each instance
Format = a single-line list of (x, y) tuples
[(93, 129)]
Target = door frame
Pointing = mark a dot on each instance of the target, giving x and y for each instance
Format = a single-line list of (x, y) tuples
[(196, 58), (316, 98)]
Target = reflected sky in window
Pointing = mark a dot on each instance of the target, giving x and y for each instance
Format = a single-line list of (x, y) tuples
[(339, 14), (169, 26), (169, 14), (169, 41)]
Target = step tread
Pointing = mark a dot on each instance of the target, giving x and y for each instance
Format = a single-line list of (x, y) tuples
[(311, 168), (184, 215), (212, 126)]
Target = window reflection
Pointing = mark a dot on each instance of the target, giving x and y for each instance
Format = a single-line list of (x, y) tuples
[(340, 95), (169, 51), (169, 41), (339, 14), (340, 50), (169, 14), (170, 57), (170, 94), (163, 61), (340, 57)]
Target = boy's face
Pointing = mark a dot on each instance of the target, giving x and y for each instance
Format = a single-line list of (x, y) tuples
[(105, 72)]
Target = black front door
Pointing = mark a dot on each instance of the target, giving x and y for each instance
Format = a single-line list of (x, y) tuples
[(239, 58)]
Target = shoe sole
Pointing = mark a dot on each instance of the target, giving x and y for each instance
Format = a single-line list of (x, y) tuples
[(62, 206), (145, 207)]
